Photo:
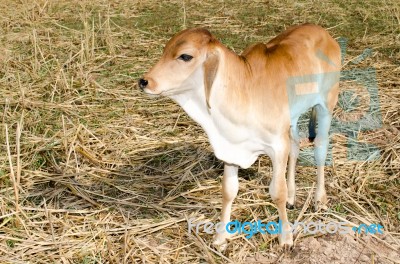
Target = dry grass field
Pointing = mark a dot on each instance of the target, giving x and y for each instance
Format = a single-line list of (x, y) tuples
[(94, 171)]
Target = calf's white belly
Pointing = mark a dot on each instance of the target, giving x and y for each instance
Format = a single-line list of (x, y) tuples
[(231, 143)]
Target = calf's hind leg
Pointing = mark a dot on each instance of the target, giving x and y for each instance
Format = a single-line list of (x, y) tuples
[(293, 155), (321, 143), (278, 188)]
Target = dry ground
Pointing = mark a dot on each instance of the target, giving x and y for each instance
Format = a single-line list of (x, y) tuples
[(92, 171)]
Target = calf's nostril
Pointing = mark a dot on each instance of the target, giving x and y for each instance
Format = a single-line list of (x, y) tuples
[(143, 83)]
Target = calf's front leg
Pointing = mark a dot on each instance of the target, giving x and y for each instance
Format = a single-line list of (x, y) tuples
[(230, 187)]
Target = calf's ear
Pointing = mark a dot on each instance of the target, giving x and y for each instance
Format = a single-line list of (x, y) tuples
[(210, 71)]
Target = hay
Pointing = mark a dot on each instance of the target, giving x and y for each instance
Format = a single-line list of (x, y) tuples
[(93, 171)]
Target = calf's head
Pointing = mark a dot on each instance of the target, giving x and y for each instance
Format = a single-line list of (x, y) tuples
[(189, 61)]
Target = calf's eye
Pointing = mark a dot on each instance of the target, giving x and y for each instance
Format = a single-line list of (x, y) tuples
[(185, 57)]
